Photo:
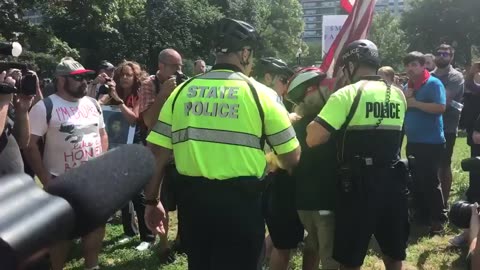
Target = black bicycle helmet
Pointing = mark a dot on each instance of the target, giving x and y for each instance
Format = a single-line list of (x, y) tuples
[(361, 51), (233, 35), (275, 66)]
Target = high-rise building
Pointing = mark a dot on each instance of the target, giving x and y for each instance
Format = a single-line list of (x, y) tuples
[(313, 11), (396, 7), (33, 16)]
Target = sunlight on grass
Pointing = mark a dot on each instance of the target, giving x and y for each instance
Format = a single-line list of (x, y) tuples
[(423, 252)]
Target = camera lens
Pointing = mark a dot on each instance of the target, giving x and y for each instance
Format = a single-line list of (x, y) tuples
[(460, 214)]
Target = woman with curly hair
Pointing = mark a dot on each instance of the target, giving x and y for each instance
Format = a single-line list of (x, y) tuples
[(123, 92)]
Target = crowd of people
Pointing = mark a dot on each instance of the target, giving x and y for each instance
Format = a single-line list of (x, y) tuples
[(240, 146)]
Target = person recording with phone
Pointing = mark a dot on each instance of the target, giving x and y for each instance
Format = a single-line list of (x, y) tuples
[(123, 92)]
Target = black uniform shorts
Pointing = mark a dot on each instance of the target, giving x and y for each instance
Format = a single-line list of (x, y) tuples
[(380, 210), (279, 210), (168, 189)]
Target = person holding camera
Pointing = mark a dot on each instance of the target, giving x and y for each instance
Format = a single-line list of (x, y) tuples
[(14, 119), (98, 86), (123, 92), (153, 94), (367, 118)]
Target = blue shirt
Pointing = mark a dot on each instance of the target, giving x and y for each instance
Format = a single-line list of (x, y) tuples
[(423, 127)]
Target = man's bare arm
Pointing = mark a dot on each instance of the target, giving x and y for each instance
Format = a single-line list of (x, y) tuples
[(34, 159), (162, 157)]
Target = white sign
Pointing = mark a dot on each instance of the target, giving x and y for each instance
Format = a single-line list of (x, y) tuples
[(332, 24)]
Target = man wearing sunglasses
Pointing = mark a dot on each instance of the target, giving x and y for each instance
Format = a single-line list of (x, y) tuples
[(71, 125), (454, 87)]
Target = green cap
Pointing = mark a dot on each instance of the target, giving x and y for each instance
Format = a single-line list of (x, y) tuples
[(68, 66)]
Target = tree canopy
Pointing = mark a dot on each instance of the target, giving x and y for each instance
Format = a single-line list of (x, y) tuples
[(428, 23)]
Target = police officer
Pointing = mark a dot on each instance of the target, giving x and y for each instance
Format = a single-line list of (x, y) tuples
[(366, 117), (274, 73), (216, 124)]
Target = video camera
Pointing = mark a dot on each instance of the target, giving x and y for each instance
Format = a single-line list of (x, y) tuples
[(26, 84), (460, 212)]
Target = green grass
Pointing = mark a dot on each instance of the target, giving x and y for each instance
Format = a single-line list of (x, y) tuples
[(423, 252)]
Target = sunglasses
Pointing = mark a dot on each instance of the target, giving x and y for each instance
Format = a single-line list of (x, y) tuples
[(442, 54), (78, 78)]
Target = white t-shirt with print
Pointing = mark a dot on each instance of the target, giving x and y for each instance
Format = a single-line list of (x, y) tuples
[(73, 134)]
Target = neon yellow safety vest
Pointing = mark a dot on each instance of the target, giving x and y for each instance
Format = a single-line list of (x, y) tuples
[(375, 129), (213, 124)]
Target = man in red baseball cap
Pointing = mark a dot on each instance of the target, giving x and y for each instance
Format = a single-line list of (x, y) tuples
[(73, 129)]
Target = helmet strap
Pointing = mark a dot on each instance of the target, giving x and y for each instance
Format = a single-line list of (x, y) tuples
[(351, 74)]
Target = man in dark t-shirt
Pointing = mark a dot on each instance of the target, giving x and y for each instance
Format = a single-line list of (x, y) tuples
[(315, 178)]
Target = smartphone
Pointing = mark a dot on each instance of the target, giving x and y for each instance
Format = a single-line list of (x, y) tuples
[(28, 85)]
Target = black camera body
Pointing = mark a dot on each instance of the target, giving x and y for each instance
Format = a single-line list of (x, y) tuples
[(460, 212), (180, 77), (26, 86), (104, 89)]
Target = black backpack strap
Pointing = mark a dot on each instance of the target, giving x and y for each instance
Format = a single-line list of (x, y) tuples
[(351, 113), (48, 108), (94, 101), (263, 138), (156, 83)]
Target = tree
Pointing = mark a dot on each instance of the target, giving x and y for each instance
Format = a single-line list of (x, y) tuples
[(428, 23), (391, 40), (282, 29), (279, 23), (10, 19)]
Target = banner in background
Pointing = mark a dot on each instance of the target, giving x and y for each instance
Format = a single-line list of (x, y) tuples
[(331, 26)]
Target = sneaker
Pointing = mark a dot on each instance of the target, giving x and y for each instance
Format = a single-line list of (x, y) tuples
[(458, 241), (143, 246), (93, 268), (125, 240)]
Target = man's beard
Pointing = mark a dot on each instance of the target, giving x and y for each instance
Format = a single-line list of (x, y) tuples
[(430, 69), (442, 64), (79, 92)]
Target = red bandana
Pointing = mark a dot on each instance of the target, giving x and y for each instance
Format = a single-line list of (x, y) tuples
[(421, 81)]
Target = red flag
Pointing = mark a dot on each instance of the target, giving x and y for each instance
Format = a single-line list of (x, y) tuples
[(347, 5), (355, 27)]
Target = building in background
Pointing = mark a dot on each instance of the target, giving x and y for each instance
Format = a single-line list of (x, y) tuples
[(396, 7), (313, 11), (33, 16)]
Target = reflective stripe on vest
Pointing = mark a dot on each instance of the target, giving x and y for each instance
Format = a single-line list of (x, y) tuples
[(216, 136), (163, 128), (281, 137)]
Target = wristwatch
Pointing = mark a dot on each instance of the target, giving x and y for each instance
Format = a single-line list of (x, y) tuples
[(152, 202)]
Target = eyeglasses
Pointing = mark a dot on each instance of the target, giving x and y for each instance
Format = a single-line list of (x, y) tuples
[(78, 78), (442, 54)]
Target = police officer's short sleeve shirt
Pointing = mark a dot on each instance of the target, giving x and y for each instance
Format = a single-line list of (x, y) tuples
[(336, 110)]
